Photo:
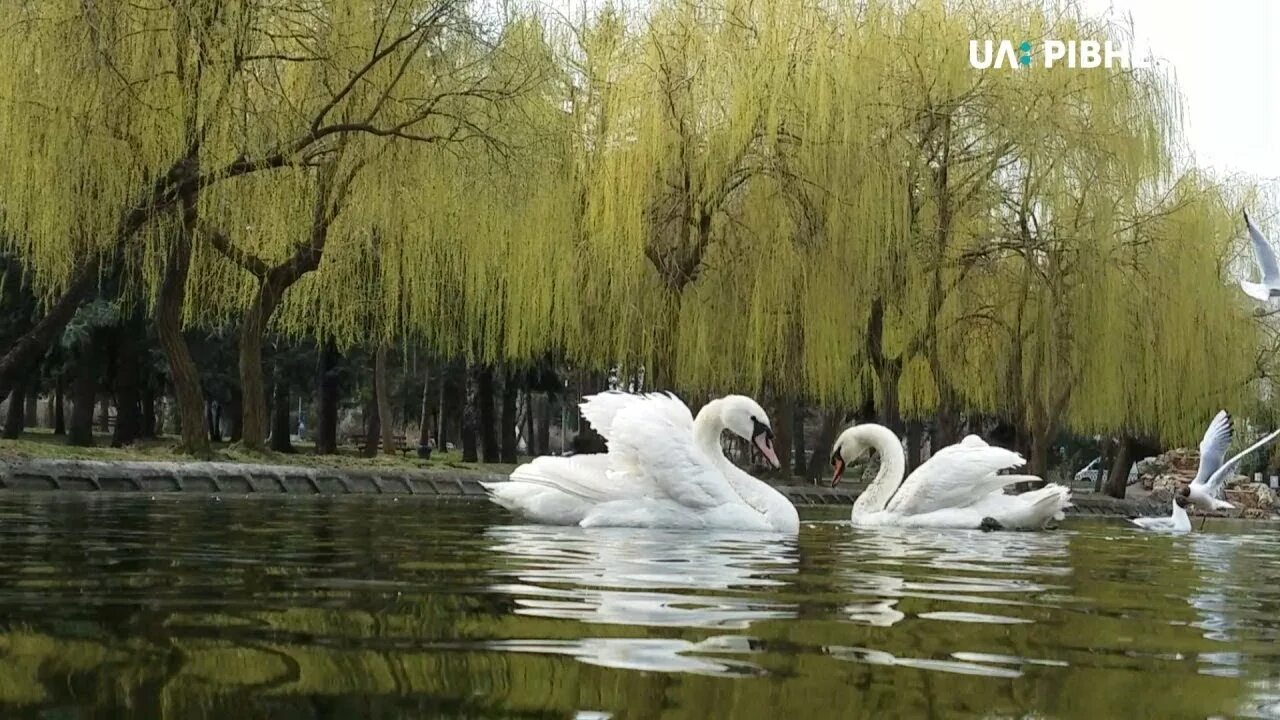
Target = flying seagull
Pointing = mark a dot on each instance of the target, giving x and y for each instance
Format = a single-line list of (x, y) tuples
[(1269, 286), (1205, 491)]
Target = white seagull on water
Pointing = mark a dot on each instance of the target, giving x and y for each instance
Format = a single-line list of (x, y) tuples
[(1177, 523), (1269, 285)]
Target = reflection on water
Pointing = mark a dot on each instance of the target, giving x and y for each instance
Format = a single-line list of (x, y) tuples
[(631, 576), (351, 608)]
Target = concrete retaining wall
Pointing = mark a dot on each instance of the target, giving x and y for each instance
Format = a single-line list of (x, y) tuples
[(244, 478)]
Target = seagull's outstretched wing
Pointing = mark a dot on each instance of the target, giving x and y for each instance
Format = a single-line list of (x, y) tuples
[(1219, 477), (1264, 255), (1213, 447)]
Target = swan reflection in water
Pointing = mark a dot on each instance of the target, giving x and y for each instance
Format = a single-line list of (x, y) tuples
[(645, 577), (971, 567), (641, 576)]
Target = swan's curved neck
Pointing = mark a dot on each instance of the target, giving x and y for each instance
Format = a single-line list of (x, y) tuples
[(708, 426), (892, 466), (756, 493)]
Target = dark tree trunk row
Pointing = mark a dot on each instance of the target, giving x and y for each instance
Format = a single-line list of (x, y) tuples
[(510, 393), (489, 448), (327, 421), (15, 414)]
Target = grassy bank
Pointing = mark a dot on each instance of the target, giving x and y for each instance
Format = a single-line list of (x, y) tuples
[(46, 445)]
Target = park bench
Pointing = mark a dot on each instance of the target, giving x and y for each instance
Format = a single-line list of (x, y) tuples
[(401, 444)]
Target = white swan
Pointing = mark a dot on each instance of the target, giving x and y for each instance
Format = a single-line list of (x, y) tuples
[(663, 469), (1268, 285), (1177, 523), (955, 488), (1205, 491)]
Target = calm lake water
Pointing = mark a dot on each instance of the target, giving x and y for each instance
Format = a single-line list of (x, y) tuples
[(185, 607)]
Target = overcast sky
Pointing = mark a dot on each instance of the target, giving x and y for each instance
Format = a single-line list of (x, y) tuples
[(1226, 56)]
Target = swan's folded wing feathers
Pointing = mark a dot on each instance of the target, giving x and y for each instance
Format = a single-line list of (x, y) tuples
[(583, 476), (654, 439), (954, 477)]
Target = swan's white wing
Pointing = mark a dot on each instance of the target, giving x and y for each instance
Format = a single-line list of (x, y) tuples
[(1213, 447), (1219, 478), (1263, 254), (654, 439), (954, 477), (600, 409), (583, 476)]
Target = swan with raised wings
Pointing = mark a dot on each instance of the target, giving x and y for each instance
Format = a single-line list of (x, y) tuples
[(955, 488), (663, 469)]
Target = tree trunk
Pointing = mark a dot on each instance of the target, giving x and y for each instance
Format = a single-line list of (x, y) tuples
[(382, 395), (783, 429), (235, 416), (946, 427), (510, 393), (23, 355), (83, 391), (59, 408), (442, 428), (425, 418), (281, 428), (32, 418), (327, 422), (1041, 445), (1118, 476), (168, 318), (372, 421), (530, 424), (16, 413), (148, 429), (128, 407), (489, 448), (471, 416), (915, 438), (253, 388), (543, 431), (797, 418), (104, 414), (821, 458), (213, 421)]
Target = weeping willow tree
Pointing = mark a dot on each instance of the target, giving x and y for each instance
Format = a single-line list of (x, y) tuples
[(139, 109), (823, 199), (830, 201)]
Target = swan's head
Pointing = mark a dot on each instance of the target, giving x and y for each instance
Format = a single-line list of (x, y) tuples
[(745, 418), (851, 445)]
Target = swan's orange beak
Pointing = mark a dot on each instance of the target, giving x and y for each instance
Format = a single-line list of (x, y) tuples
[(838, 463), (765, 446)]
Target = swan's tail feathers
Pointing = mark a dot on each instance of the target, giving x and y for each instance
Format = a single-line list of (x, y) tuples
[(1049, 502), (583, 476), (1011, 479), (554, 490)]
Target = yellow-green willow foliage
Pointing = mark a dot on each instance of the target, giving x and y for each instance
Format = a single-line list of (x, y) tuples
[(719, 190)]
